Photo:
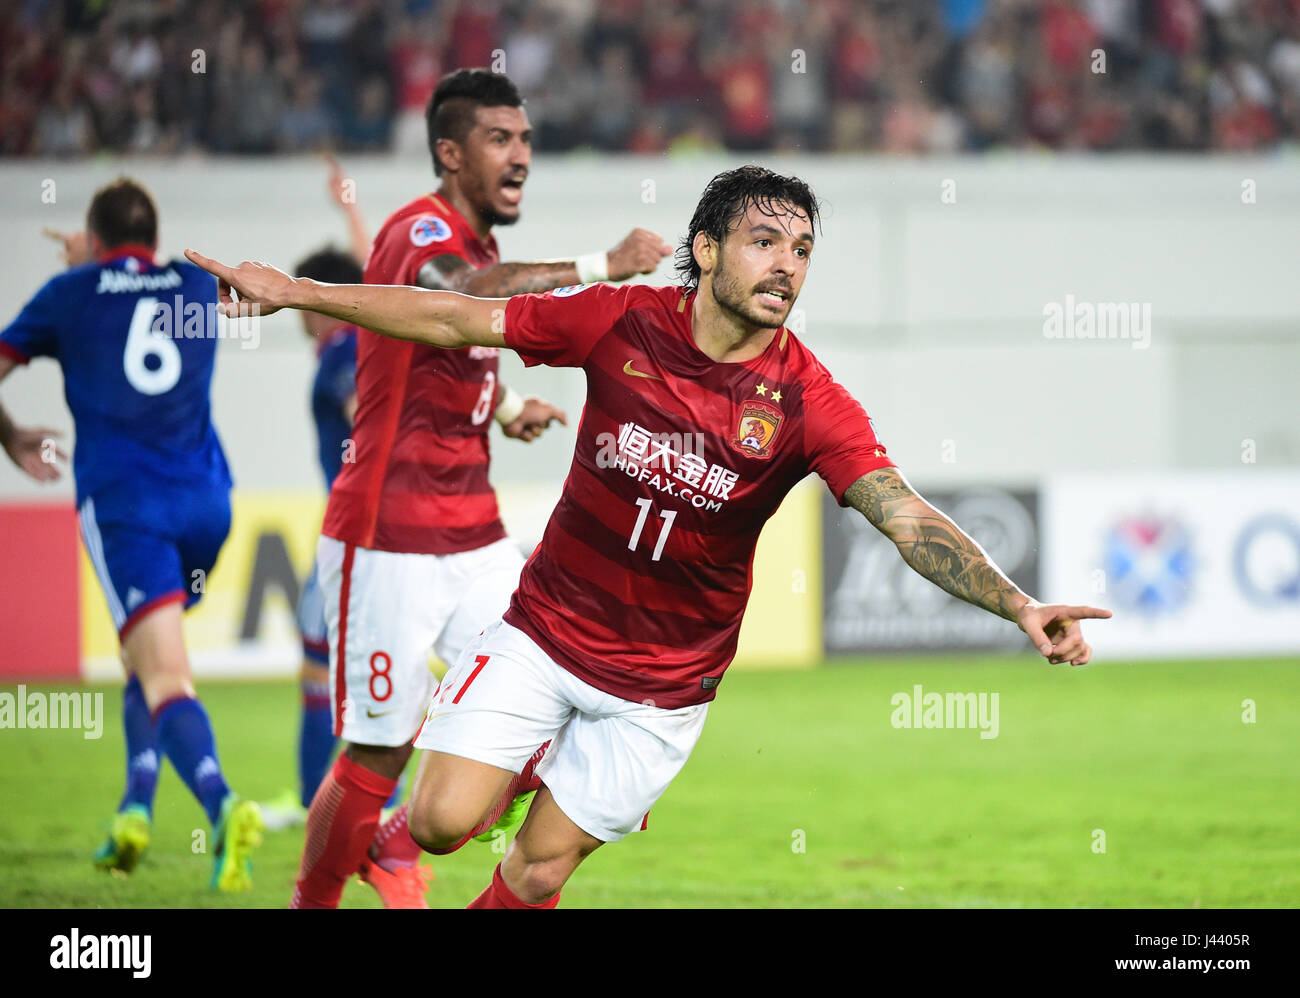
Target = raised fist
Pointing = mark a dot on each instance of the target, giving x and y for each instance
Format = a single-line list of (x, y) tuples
[(638, 253)]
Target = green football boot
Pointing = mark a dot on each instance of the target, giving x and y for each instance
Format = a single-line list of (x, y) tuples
[(239, 832), (128, 838), (509, 818)]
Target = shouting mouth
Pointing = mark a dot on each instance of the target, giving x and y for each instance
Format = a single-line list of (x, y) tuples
[(512, 189)]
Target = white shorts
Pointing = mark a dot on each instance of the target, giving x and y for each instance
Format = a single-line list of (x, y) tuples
[(386, 610), (610, 759)]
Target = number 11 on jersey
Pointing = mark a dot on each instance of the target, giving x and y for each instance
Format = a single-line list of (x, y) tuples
[(667, 515)]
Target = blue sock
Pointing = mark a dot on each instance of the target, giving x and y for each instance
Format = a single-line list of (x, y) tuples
[(315, 739), (185, 734), (141, 749), (399, 789)]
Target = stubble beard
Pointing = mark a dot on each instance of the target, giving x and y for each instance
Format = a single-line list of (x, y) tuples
[(493, 219), (731, 298), (487, 211)]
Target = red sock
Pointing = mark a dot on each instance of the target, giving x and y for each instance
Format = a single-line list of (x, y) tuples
[(498, 895), (393, 845), (340, 827)]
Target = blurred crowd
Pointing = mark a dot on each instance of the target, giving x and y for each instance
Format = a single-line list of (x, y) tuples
[(649, 76)]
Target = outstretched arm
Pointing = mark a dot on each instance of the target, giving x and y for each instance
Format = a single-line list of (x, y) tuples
[(439, 318), (937, 549)]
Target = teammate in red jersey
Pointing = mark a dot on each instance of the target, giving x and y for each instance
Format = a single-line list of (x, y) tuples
[(702, 412), (413, 554)]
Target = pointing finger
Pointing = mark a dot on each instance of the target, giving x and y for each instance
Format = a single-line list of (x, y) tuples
[(210, 265), (1089, 611)]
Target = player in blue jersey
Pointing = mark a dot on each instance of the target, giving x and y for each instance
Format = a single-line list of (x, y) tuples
[(136, 341)]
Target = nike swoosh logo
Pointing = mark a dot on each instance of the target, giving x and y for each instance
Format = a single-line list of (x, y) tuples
[(627, 369), (371, 713)]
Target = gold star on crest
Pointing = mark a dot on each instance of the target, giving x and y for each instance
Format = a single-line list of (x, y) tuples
[(761, 388), (776, 396)]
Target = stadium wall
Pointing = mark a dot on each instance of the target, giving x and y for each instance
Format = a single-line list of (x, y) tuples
[(931, 298)]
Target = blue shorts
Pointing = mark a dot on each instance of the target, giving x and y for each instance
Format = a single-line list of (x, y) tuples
[(152, 551), (311, 621)]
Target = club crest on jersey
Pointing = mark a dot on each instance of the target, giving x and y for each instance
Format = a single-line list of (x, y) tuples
[(757, 428), (429, 229)]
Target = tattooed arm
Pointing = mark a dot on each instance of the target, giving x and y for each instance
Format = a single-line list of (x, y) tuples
[(638, 253), (454, 273), (932, 544), (937, 549)]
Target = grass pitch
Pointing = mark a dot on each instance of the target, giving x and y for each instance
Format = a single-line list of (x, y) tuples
[(801, 794)]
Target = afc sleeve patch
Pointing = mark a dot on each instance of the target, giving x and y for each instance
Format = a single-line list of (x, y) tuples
[(429, 229)]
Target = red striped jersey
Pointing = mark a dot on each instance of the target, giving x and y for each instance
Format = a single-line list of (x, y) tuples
[(642, 576), (419, 481)]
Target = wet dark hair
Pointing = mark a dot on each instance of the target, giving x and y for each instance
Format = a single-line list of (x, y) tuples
[(728, 196), (123, 212), (330, 266), (450, 114)]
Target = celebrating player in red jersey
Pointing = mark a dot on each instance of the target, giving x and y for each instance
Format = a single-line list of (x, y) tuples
[(702, 412), (413, 554)]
